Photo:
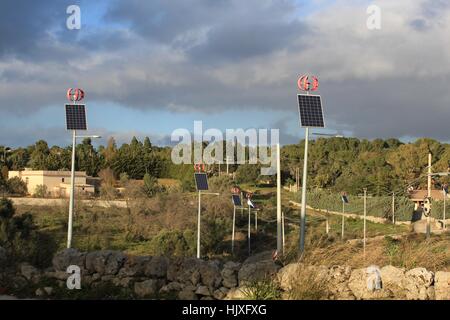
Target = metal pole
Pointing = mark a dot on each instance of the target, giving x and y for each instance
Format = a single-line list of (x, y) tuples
[(365, 214), (445, 200), (198, 224), (234, 223), (249, 228), (343, 220), (303, 212), (72, 192), (282, 228), (429, 194), (393, 208), (279, 214), (327, 225)]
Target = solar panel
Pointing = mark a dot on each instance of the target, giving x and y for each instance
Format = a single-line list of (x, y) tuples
[(76, 117), (311, 113), (236, 200), (201, 181)]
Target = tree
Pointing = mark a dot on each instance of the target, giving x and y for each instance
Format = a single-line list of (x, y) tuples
[(39, 154), (151, 186), (87, 158), (17, 186)]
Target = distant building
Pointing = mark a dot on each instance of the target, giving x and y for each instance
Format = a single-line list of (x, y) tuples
[(57, 182), (418, 196)]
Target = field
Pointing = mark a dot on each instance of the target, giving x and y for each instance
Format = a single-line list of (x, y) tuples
[(166, 225)]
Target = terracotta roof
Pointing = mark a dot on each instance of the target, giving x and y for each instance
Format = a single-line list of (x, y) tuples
[(419, 195)]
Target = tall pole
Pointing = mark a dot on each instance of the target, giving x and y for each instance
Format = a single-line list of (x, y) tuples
[(365, 214), (303, 212), (343, 220), (279, 217), (429, 193), (198, 224), (445, 200), (72, 192), (393, 208), (282, 228), (234, 223), (249, 228)]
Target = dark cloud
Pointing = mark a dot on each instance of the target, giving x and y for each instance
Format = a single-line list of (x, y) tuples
[(25, 26), (210, 56)]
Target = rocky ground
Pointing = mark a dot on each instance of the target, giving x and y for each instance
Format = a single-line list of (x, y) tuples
[(193, 279)]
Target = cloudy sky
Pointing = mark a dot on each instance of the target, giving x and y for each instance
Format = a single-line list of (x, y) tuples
[(150, 67)]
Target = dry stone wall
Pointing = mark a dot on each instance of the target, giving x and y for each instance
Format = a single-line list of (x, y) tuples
[(193, 279)]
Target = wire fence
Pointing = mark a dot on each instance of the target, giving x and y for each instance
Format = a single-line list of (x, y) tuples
[(380, 206)]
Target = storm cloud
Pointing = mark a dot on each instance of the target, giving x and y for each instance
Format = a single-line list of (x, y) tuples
[(210, 56)]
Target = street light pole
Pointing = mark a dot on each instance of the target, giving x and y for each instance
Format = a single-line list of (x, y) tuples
[(304, 179), (72, 187), (198, 223), (72, 192), (429, 194), (365, 214), (279, 214)]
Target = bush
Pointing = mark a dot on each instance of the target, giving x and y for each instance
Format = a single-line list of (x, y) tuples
[(308, 284), (248, 173), (171, 243), (40, 191), (108, 192), (221, 184), (21, 240), (17, 186), (151, 186), (262, 290)]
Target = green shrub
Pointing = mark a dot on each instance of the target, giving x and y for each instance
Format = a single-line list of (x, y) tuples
[(248, 173), (262, 290), (18, 235), (17, 186), (170, 243), (40, 191), (151, 186)]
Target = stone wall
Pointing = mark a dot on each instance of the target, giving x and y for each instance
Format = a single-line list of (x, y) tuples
[(192, 279)]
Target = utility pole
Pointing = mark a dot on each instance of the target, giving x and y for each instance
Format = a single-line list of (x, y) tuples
[(72, 191), (249, 228), (198, 223), (393, 208), (279, 214), (282, 216), (343, 220), (445, 200), (429, 194), (365, 214), (304, 178)]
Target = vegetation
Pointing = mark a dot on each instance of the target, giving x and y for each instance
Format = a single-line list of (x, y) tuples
[(21, 239), (308, 284), (262, 290)]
